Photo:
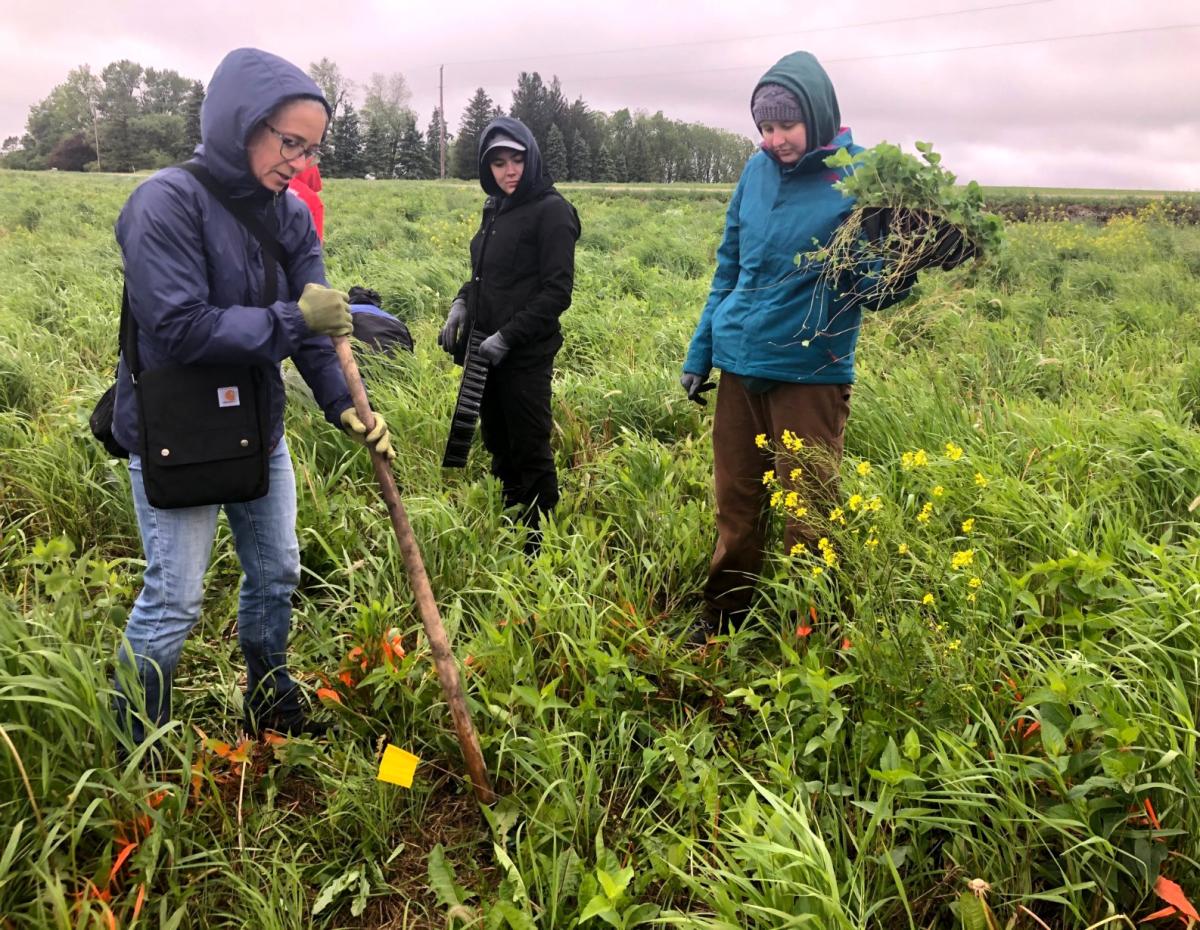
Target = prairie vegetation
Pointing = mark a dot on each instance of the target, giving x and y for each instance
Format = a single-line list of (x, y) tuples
[(996, 676)]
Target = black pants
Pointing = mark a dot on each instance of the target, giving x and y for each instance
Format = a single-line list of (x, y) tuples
[(516, 421)]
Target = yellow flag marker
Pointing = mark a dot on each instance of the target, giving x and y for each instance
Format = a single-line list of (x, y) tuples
[(397, 766)]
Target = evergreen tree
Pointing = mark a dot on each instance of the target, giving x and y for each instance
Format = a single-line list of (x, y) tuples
[(377, 156), (530, 104), (640, 166), (620, 167), (556, 154), (581, 159), (433, 142), (412, 160), (475, 119), (347, 146), (604, 169)]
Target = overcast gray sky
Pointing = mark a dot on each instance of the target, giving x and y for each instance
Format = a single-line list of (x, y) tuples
[(1120, 110)]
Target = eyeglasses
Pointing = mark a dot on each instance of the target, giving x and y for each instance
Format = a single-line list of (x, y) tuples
[(290, 149)]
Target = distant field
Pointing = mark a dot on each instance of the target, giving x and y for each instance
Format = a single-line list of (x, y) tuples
[(996, 195), (1083, 194)]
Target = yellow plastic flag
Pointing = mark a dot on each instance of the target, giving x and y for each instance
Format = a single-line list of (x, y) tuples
[(397, 766)]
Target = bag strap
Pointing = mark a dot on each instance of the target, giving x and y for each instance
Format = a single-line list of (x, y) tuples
[(273, 254), (273, 257), (127, 336)]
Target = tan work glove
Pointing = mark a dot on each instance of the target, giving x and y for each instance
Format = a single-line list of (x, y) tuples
[(326, 311), (378, 440)]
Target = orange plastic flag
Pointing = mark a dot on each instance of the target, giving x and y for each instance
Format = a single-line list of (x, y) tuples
[(1174, 896)]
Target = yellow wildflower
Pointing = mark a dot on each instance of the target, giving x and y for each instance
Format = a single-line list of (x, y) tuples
[(926, 512), (920, 458), (962, 559), (776, 498), (971, 598), (799, 549), (795, 475), (863, 468), (939, 491), (927, 599), (817, 570), (791, 441), (837, 515), (906, 461), (954, 452), (980, 480), (875, 504), (902, 549), (872, 542), (954, 644), (975, 582), (968, 525), (799, 512), (761, 440), (855, 501), (792, 500), (768, 476)]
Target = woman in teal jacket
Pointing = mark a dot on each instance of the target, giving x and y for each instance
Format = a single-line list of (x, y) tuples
[(782, 337)]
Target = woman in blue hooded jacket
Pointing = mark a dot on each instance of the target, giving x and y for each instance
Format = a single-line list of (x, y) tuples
[(782, 338), (196, 283), (522, 275)]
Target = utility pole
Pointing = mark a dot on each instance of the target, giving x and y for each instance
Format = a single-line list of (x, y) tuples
[(441, 125)]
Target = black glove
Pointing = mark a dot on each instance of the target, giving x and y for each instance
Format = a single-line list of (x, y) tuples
[(493, 349), (876, 223), (944, 245), (455, 321), (950, 247), (696, 385)]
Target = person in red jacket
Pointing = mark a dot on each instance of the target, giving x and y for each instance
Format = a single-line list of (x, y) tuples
[(306, 185)]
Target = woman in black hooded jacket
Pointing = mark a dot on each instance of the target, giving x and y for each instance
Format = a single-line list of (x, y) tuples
[(522, 273)]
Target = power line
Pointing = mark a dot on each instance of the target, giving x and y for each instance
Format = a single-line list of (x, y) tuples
[(771, 35), (909, 54)]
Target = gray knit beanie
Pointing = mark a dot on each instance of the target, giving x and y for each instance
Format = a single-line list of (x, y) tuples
[(776, 102)]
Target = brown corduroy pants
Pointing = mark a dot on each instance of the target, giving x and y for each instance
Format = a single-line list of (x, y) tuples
[(816, 413)]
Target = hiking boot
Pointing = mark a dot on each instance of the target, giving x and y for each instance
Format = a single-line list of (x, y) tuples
[(699, 633), (292, 721)]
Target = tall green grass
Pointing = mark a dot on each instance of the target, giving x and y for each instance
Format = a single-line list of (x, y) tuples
[(855, 774)]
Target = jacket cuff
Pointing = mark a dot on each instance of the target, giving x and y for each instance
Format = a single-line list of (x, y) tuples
[(293, 321)]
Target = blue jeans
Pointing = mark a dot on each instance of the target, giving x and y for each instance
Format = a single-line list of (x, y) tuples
[(177, 544)]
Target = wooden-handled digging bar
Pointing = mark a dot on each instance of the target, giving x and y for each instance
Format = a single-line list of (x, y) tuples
[(439, 643)]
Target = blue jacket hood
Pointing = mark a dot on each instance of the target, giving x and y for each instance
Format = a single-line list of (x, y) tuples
[(248, 85), (533, 180)]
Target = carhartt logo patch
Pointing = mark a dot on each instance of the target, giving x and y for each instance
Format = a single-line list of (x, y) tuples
[(228, 397)]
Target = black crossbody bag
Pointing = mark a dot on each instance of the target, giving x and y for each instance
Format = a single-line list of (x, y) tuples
[(204, 428)]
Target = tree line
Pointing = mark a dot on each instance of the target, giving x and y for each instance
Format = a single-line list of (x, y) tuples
[(130, 118)]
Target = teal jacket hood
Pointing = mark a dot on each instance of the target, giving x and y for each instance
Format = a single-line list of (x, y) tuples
[(802, 74)]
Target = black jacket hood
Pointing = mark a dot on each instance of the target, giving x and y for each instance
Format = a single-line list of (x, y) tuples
[(533, 181)]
